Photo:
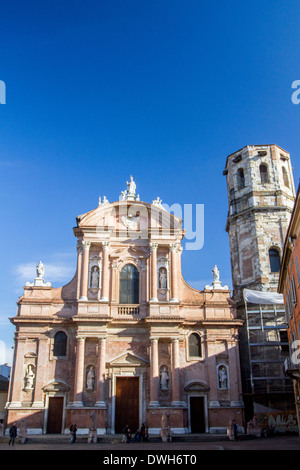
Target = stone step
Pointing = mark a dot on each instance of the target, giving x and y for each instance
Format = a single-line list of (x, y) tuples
[(116, 438)]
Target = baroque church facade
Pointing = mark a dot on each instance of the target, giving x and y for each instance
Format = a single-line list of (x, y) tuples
[(127, 340)]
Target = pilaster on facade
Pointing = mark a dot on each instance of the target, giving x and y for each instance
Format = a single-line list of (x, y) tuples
[(85, 269), (153, 271), (105, 272)]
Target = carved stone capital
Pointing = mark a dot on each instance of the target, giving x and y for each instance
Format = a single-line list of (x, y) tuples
[(153, 246), (79, 247), (86, 245), (173, 247)]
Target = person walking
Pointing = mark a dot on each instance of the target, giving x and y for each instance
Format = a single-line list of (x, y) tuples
[(235, 430), (73, 430), (137, 436), (12, 434), (124, 432), (128, 434)]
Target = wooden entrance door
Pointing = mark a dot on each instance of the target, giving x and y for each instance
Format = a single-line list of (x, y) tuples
[(127, 403), (55, 415), (197, 414)]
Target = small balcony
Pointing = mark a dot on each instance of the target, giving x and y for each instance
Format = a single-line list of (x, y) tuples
[(131, 310)]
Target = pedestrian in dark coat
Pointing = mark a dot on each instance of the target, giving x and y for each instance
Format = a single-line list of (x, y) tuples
[(235, 430), (12, 434), (73, 430)]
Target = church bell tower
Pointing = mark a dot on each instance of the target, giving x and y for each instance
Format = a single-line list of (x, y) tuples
[(261, 194)]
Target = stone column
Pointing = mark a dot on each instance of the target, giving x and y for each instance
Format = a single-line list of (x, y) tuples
[(233, 379), (79, 249), (153, 272), (212, 377), (173, 251), (79, 372), (154, 373), (18, 373), (105, 272), (101, 373), (40, 372), (114, 282), (175, 373), (85, 270), (143, 281)]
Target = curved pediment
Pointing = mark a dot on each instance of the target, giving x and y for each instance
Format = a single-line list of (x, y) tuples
[(129, 215), (197, 387), (56, 386)]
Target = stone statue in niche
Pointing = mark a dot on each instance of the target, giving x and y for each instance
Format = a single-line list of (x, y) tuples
[(163, 278), (95, 277), (164, 378), (29, 377), (222, 377), (90, 378)]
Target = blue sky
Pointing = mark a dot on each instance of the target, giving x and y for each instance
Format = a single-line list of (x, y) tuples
[(163, 90)]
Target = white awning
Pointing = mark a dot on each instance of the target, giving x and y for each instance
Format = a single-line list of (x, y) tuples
[(258, 297)]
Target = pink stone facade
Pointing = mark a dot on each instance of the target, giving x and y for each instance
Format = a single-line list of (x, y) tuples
[(180, 344)]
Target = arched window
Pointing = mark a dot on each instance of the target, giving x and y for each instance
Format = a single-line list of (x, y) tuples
[(129, 285), (240, 178), (285, 177), (194, 345), (60, 344), (274, 260), (264, 176)]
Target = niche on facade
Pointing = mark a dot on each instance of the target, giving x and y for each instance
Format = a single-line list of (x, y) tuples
[(90, 378), (165, 374), (163, 279), (223, 377), (94, 277), (29, 377), (164, 378)]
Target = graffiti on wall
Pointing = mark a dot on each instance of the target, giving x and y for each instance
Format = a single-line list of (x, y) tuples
[(278, 421)]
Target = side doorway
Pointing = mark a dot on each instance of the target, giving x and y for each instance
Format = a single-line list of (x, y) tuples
[(55, 415), (197, 414), (127, 403)]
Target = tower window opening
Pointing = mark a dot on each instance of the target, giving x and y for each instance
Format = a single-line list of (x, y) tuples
[(240, 178), (285, 177), (274, 260), (264, 176)]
